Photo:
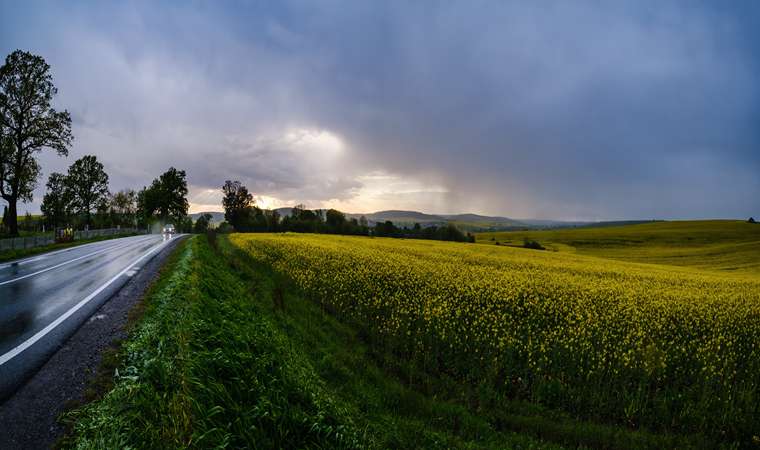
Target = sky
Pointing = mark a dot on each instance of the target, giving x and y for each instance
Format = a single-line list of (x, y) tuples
[(582, 110)]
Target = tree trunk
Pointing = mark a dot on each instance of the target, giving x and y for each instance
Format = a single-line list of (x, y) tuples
[(12, 217)]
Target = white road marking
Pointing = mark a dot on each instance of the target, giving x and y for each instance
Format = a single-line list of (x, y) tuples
[(40, 334), (47, 269), (35, 259)]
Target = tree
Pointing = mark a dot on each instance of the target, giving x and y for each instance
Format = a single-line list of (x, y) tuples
[(166, 197), (238, 204), (183, 224), (173, 202), (28, 124), (144, 205), (124, 207), (88, 184), (274, 220), (387, 229), (56, 204), (171, 195), (203, 222), (335, 220)]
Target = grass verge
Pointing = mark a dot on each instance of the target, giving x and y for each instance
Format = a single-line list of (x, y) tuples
[(102, 380)]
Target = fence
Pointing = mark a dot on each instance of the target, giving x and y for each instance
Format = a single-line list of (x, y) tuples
[(47, 239)]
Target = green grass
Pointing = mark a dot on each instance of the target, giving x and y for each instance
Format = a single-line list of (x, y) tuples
[(102, 380), (202, 369), (230, 355), (726, 245), (10, 255)]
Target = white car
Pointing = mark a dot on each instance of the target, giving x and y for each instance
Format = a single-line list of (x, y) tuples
[(168, 229)]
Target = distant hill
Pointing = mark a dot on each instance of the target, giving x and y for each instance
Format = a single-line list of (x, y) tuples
[(476, 222), (217, 217), (466, 222), (401, 218)]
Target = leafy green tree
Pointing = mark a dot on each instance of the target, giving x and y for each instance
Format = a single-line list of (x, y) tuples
[(145, 206), (386, 229), (56, 203), (166, 198), (87, 183), (183, 224), (238, 204), (202, 223), (304, 220), (335, 220), (273, 218), (28, 124), (171, 195), (123, 207)]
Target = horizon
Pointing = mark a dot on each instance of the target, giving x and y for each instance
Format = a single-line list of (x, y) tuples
[(518, 219), (568, 112)]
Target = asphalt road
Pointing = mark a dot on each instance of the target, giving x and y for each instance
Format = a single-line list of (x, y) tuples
[(45, 298)]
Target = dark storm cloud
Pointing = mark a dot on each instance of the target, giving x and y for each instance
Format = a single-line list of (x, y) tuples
[(547, 109)]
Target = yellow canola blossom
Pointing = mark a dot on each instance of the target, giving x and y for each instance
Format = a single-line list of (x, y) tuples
[(638, 343)]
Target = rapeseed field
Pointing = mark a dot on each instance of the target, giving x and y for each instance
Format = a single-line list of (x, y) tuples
[(724, 245), (660, 347)]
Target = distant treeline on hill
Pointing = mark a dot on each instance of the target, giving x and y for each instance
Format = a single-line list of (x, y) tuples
[(242, 215)]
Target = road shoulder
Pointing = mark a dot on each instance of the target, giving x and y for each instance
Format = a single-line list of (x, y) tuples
[(29, 418)]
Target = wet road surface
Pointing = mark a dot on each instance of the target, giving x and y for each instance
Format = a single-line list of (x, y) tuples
[(45, 298)]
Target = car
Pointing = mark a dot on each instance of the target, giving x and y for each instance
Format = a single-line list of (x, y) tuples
[(168, 229)]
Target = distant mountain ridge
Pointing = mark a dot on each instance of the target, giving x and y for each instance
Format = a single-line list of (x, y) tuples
[(216, 216), (466, 221)]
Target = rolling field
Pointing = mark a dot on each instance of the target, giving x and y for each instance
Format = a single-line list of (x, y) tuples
[(726, 245), (322, 341), (211, 364), (663, 348)]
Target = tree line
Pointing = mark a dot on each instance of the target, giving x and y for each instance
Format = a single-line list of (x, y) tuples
[(80, 198), (241, 214)]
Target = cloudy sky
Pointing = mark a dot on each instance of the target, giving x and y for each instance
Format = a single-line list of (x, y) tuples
[(533, 109)]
